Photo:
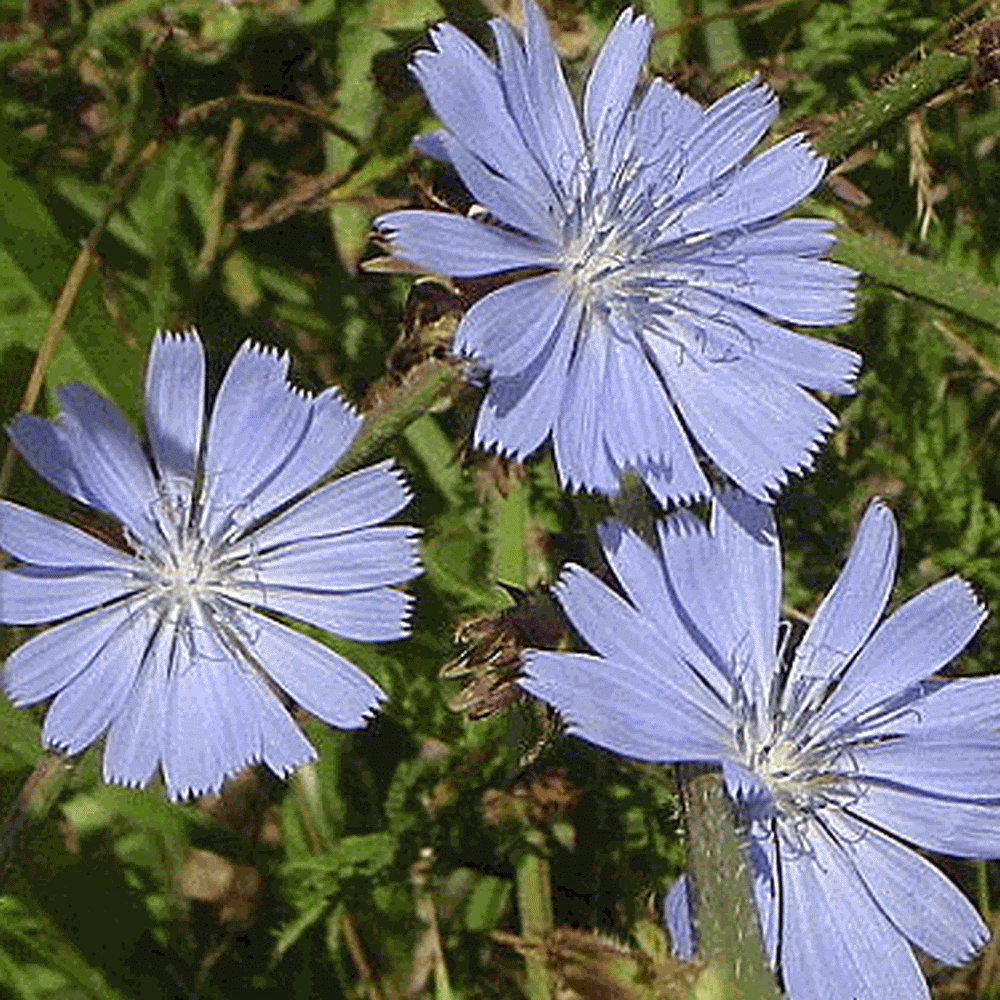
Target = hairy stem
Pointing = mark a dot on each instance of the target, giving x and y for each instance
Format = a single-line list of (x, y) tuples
[(728, 925), (534, 904), (865, 118), (887, 264), (424, 386)]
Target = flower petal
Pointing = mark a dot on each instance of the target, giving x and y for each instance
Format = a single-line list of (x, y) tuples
[(966, 703), (958, 763), (30, 596), (642, 647), (678, 915), (647, 585), (755, 426), (212, 727), (48, 662), (507, 346), (665, 120), (804, 360), (725, 330), (519, 412), (748, 536), (358, 500), (767, 185), (946, 825), (378, 615), (43, 445), (109, 459), (320, 680), (44, 541), (725, 134), (458, 246), (762, 853), (920, 638), (538, 97), (258, 421), (175, 402), (699, 580), (464, 89), (836, 943), (222, 717), (613, 80), (504, 199), (641, 431), (797, 238), (135, 742), (854, 604), (369, 557), (924, 905), (331, 428), (85, 707), (611, 705), (582, 457), (807, 292)]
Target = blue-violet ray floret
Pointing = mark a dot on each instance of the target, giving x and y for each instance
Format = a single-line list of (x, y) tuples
[(170, 642), (646, 331), (840, 757)]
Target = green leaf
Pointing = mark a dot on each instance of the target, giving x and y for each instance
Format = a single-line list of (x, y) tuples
[(31, 241), (26, 925), (20, 738), (487, 903)]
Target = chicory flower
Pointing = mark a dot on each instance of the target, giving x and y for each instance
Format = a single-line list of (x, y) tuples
[(649, 268), (172, 643), (839, 758)]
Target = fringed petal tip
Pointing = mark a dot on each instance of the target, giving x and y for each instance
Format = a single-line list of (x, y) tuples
[(174, 336), (191, 793), (493, 445), (770, 487), (670, 499), (406, 619), (655, 482)]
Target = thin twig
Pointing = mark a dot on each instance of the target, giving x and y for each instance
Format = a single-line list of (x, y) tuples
[(967, 352), (266, 100), (358, 956), (216, 211), (67, 298), (33, 802)]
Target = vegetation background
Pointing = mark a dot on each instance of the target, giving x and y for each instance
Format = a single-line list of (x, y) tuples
[(218, 164)]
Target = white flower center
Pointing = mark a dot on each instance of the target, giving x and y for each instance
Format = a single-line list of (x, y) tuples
[(185, 569)]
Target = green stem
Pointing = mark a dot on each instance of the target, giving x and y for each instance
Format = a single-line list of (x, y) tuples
[(32, 804), (423, 387), (728, 925), (865, 118), (534, 904), (889, 265), (983, 888), (437, 451), (721, 38), (510, 519)]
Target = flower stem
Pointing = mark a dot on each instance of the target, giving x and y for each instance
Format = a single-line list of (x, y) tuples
[(534, 904), (33, 803), (424, 386), (728, 925), (865, 118), (887, 264)]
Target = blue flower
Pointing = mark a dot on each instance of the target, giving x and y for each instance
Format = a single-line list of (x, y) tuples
[(163, 644), (657, 251), (837, 757)]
